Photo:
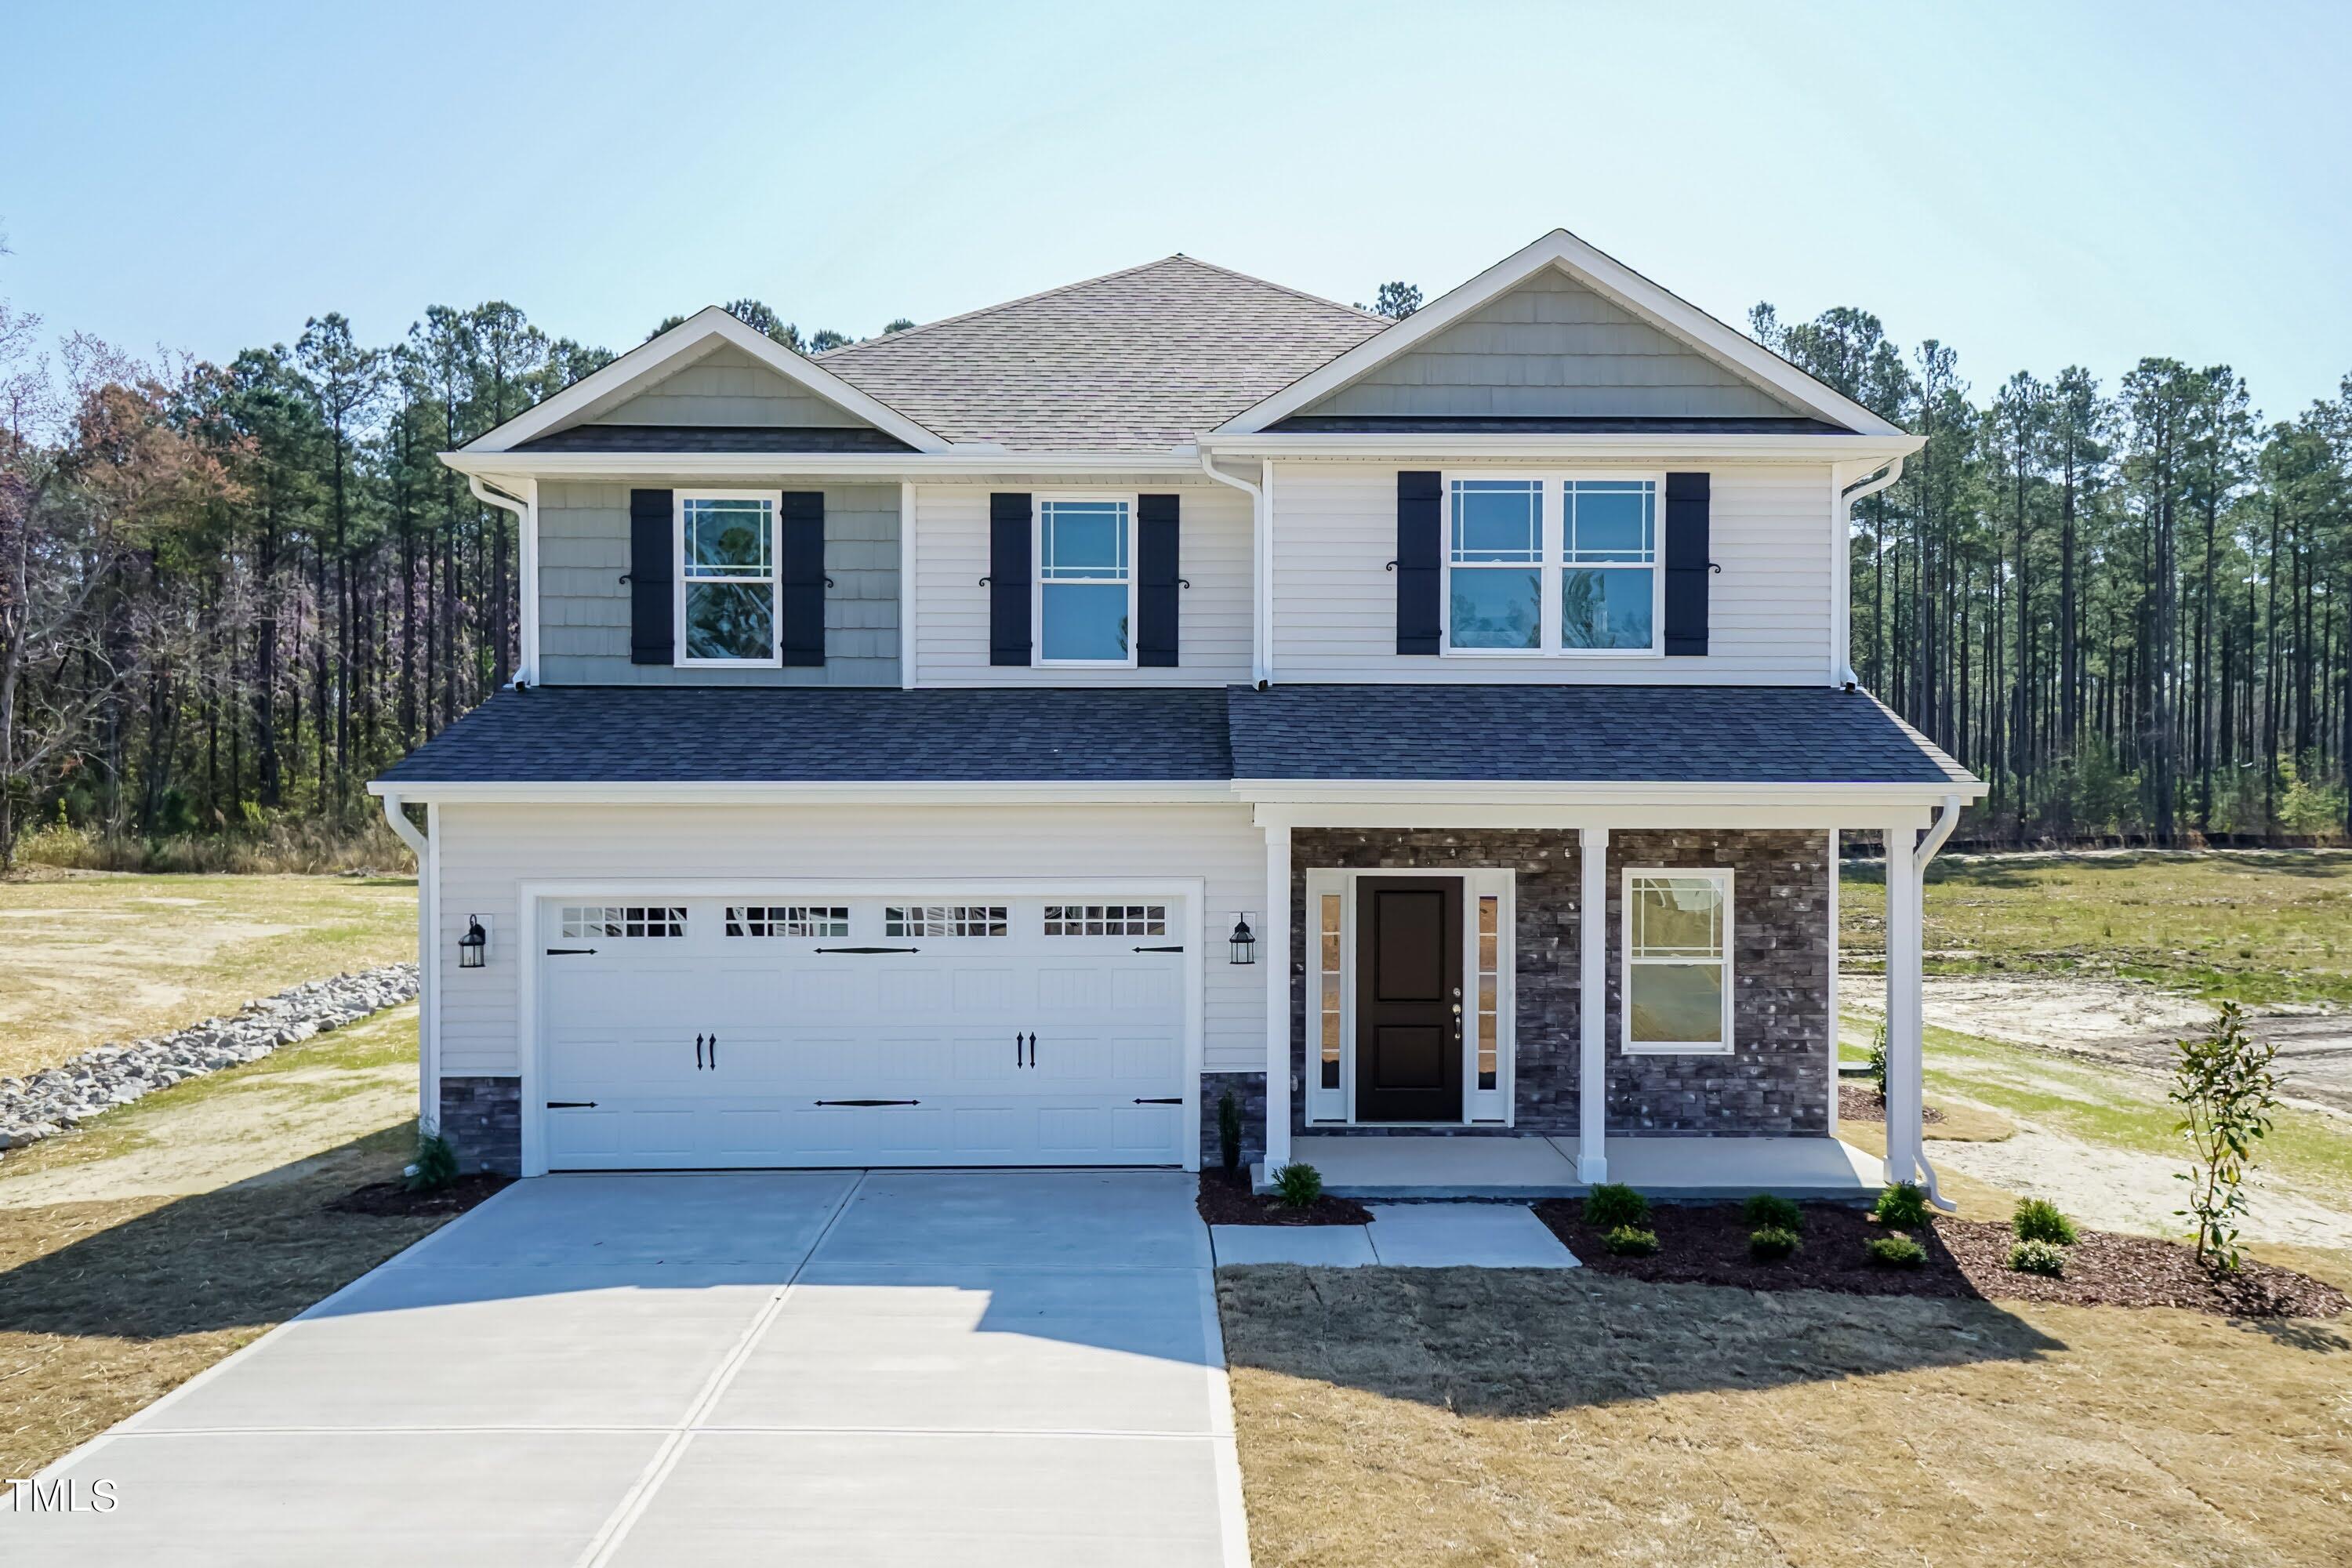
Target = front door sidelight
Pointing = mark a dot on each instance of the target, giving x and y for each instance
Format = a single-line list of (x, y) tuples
[(1409, 999)]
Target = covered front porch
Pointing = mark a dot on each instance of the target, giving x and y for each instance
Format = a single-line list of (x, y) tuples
[(1546, 1166)]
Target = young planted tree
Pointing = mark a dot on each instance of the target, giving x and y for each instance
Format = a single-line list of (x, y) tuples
[(2227, 1093)]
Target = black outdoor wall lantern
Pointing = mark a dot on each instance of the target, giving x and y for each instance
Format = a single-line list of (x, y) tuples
[(1243, 944), (474, 946)]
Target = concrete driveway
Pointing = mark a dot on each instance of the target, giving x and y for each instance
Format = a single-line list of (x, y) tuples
[(885, 1367)]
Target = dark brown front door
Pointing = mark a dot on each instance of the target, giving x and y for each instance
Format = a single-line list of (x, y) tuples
[(1409, 999)]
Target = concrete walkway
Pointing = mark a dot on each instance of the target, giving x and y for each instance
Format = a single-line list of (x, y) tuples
[(1404, 1235), (720, 1368)]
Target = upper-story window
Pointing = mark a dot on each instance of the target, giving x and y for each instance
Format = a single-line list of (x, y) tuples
[(1552, 565), (1085, 581), (727, 608)]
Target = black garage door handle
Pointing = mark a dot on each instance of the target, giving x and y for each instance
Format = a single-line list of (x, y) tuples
[(869, 1102), (571, 1105)]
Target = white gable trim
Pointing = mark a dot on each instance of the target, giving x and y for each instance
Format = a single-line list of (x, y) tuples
[(1616, 282), (659, 358)]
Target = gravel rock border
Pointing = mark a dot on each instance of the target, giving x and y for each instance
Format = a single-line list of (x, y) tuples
[(96, 1081)]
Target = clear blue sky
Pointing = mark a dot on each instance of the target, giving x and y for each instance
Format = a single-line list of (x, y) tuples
[(2036, 184)]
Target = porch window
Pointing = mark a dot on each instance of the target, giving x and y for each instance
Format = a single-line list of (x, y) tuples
[(1490, 977), (1677, 974), (727, 578), (1085, 583), (1330, 930)]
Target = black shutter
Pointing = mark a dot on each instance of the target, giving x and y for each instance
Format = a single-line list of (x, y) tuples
[(1008, 579), (1156, 555), (652, 572), (800, 574), (1420, 533), (1686, 565)]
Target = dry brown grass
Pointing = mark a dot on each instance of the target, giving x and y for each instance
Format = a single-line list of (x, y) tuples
[(138, 1251), (96, 956), (1488, 1417)]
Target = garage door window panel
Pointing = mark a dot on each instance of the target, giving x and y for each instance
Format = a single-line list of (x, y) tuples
[(622, 922), (801, 921), (946, 920), (1106, 920)]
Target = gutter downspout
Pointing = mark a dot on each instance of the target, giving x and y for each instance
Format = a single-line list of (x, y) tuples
[(1843, 661), (1947, 818), (526, 571), (428, 921), (1261, 569)]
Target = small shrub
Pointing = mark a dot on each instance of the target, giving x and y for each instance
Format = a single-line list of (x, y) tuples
[(1229, 1132), (1895, 1252), (1772, 1243), (1878, 1059), (434, 1167), (2037, 1257), (1903, 1205), (1611, 1204), (1297, 1185), (1632, 1241), (2038, 1219), (1770, 1211)]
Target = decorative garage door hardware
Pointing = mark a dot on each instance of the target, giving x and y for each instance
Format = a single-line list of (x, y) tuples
[(1177, 948), (698, 1053), (869, 950), (1171, 1100), (571, 1105), (563, 952), (869, 1102), (1033, 1051)]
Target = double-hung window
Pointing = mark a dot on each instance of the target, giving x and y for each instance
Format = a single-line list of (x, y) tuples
[(1552, 565), (727, 585), (1085, 581), (1678, 979)]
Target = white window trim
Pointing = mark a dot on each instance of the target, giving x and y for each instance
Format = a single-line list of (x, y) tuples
[(1037, 660), (1337, 1107), (1626, 1044), (681, 583), (1554, 553)]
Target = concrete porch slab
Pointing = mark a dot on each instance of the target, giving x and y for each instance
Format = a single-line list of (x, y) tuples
[(1533, 1166)]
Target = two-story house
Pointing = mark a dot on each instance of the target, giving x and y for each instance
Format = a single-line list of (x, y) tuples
[(1000, 742)]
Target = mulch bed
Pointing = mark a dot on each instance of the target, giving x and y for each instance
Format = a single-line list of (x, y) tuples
[(1707, 1244), (1227, 1200), (1857, 1103), (393, 1200)]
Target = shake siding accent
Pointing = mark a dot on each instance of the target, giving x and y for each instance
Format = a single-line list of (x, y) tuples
[(1335, 601), (486, 851), (727, 386), (1553, 347), (583, 612), (952, 607)]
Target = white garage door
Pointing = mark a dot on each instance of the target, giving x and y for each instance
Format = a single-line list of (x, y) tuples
[(689, 1033)]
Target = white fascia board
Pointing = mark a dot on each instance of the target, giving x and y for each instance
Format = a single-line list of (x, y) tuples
[(1553, 795), (1727, 346), (844, 791), (952, 463), (1402, 446), (687, 341)]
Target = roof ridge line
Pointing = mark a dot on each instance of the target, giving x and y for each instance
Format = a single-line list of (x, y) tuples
[(1356, 310)]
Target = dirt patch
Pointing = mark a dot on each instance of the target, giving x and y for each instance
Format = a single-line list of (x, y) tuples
[(393, 1200), (1707, 1244), (1857, 1103), (1227, 1200)]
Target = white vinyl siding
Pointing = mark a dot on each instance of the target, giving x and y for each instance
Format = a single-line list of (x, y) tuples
[(1335, 598), (486, 851), (951, 606)]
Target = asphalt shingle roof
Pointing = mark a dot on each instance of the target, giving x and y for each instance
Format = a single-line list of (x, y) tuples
[(1136, 360), (715, 438), (761, 734), (1600, 735)]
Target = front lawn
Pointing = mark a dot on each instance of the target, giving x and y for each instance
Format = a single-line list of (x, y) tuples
[(1495, 1416), (144, 1246), (98, 956)]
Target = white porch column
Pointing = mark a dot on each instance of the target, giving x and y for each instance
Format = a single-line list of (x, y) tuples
[(1906, 1082), (1274, 937), (1592, 1009)]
